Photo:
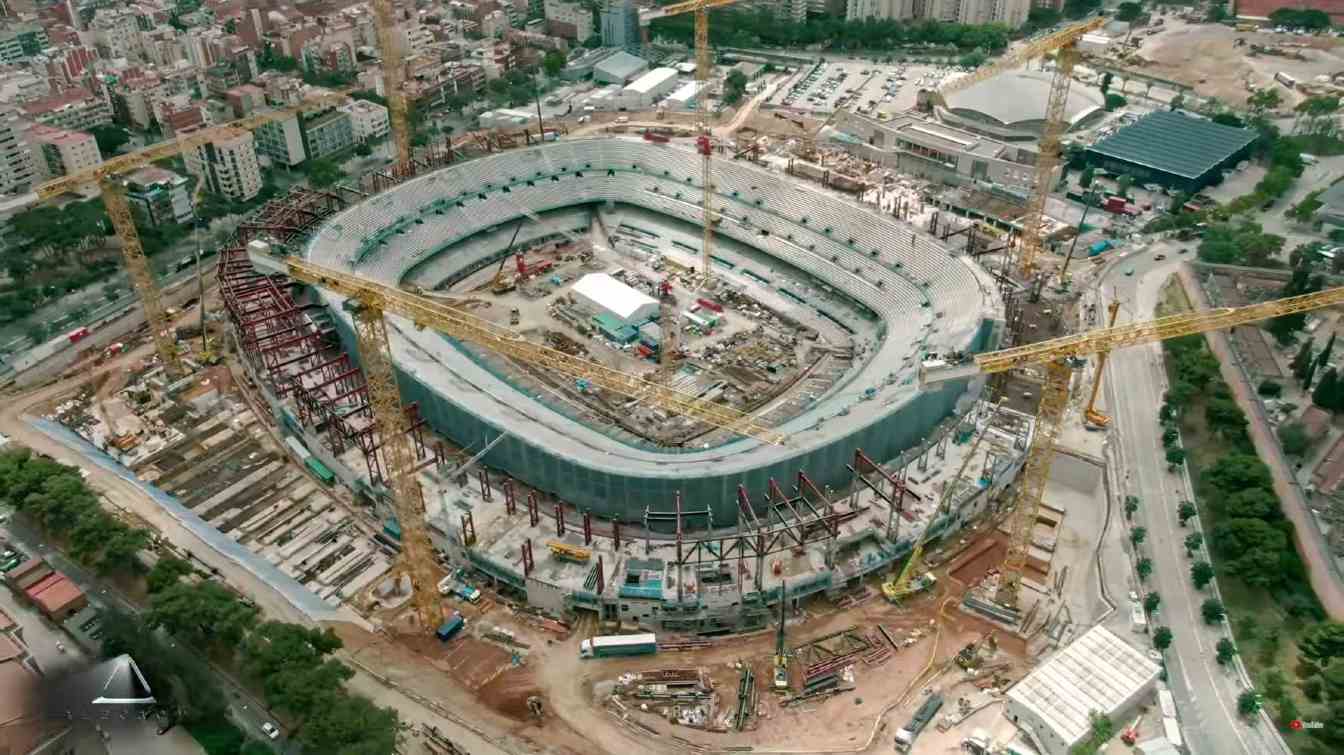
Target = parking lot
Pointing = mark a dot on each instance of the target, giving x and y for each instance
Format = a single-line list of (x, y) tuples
[(874, 89)]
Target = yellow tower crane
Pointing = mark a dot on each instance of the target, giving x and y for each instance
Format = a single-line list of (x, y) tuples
[(461, 325), (1053, 355), (1064, 43), (704, 142), (106, 176), (398, 114)]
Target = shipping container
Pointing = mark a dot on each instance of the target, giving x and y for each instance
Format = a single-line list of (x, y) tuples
[(300, 452), (905, 738), (710, 305), (320, 470), (77, 335), (619, 644)]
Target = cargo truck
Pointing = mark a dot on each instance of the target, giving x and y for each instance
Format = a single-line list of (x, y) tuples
[(448, 629), (617, 645), (905, 738), (452, 585)]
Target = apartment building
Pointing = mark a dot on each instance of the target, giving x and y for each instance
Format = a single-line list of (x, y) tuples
[(115, 32), (227, 164), (162, 196), (281, 142), (368, 120), (16, 159), (76, 109), (21, 41), (327, 133), (58, 152), (1012, 13), (568, 20)]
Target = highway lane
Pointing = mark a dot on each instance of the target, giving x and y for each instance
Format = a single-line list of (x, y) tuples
[(1205, 692)]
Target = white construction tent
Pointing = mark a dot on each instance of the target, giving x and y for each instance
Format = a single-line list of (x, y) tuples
[(604, 295)]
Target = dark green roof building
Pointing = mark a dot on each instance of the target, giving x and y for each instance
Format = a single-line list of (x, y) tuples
[(1179, 151)]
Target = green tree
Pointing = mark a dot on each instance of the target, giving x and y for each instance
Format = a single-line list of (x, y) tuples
[(1226, 649), (1144, 568), (180, 678), (1201, 573), (1151, 602), (1264, 99), (1175, 458), (1128, 11), (1305, 211), (1193, 542), (1131, 506), (1170, 437), (1252, 549), (1234, 472), (1322, 642), (1248, 703), (1162, 638), (167, 572), (322, 173), (1327, 392), (1302, 359), (1252, 503), (553, 62), (1293, 436), (1185, 511), (350, 725), (363, 149), (1115, 101), (206, 615), (1138, 535), (734, 86), (1105, 86), (110, 139), (1212, 610)]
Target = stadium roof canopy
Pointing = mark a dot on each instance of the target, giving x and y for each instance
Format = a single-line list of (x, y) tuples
[(1171, 142)]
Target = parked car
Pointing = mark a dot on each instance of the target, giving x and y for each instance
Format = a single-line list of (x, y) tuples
[(271, 730)]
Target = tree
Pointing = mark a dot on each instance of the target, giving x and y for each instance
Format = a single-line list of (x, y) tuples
[(1252, 548), (1293, 436), (1270, 389), (1131, 506), (167, 572), (1106, 79), (1226, 649), (1252, 503), (1217, 14), (1305, 211), (1212, 610), (1193, 542), (1320, 643), (1327, 392), (363, 149), (553, 62), (322, 173), (734, 86), (1144, 568), (1162, 638), (1329, 349), (350, 725), (180, 678), (1122, 183), (1170, 436), (1248, 703), (1128, 11), (1175, 458), (1201, 573), (1310, 373), (110, 139), (1137, 535), (207, 615), (1234, 472), (1151, 601), (1302, 359), (274, 646), (1115, 101)]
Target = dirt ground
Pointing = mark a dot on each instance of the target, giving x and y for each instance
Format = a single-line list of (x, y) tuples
[(1205, 56)]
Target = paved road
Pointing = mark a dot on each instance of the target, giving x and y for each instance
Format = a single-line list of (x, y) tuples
[(1205, 692)]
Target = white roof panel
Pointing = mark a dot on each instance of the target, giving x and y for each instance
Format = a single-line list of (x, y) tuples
[(1097, 671), (651, 80), (685, 92), (618, 298)]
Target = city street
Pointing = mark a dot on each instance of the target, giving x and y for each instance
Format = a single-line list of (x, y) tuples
[(1205, 692)]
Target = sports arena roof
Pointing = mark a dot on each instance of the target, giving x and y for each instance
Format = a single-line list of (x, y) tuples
[(1175, 143), (1017, 97)]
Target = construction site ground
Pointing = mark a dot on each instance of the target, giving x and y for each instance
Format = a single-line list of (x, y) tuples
[(1208, 58)]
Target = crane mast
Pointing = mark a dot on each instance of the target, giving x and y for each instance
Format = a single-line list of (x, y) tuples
[(408, 502), (1047, 158), (397, 111), (703, 143), (106, 176)]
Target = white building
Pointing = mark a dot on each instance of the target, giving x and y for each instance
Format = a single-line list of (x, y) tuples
[(683, 98), (1010, 12), (644, 90), (368, 120), (1096, 672), (228, 165), (568, 19), (115, 32), (604, 295), (58, 152)]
